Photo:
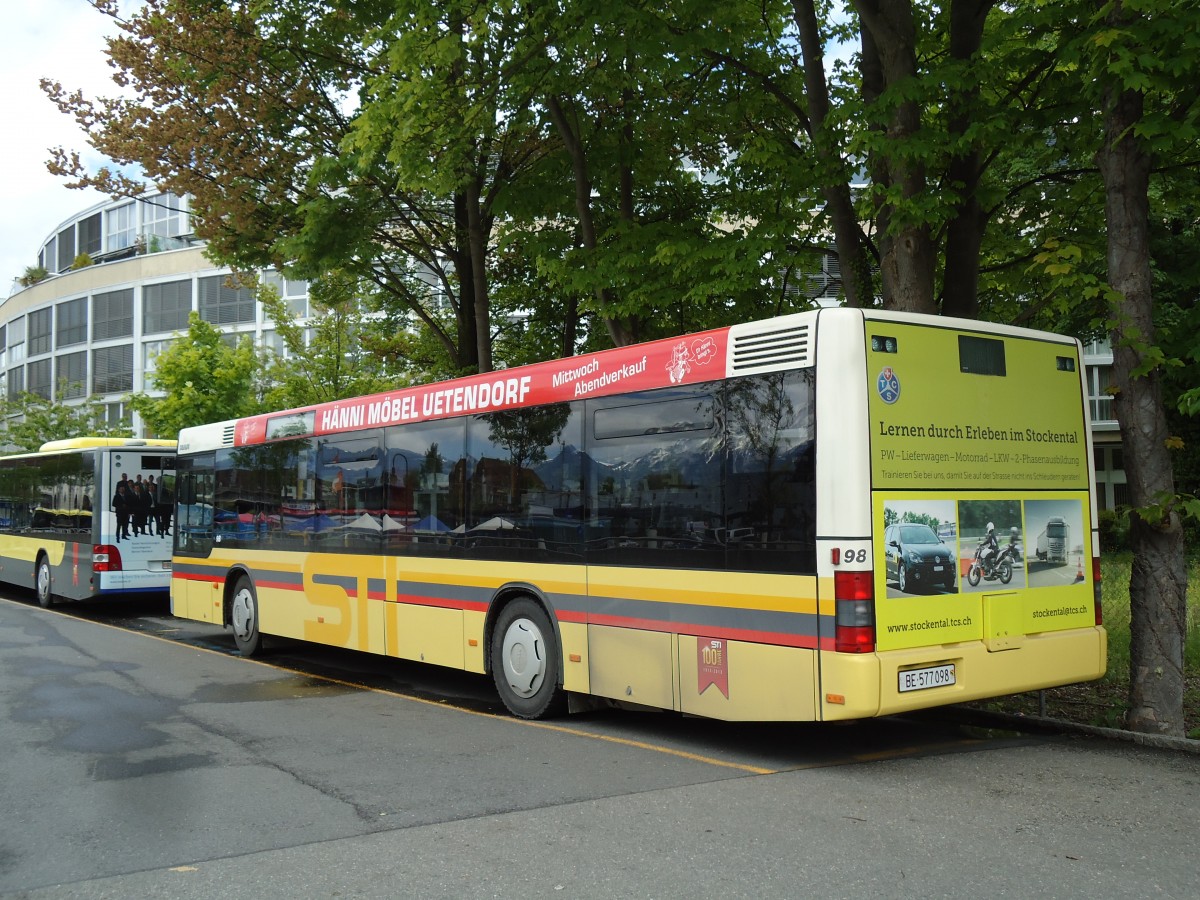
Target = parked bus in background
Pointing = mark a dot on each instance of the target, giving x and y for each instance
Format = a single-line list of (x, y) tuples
[(1054, 541), (694, 524), (59, 533)]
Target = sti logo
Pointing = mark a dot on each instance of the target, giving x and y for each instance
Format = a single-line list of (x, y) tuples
[(888, 386)]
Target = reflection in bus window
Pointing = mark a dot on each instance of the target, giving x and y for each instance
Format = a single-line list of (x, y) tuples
[(524, 484), (656, 496)]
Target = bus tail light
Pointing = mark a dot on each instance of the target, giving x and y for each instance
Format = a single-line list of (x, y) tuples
[(106, 558), (1096, 589), (854, 594)]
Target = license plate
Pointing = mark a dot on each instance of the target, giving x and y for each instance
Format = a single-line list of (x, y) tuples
[(932, 677), (938, 568)]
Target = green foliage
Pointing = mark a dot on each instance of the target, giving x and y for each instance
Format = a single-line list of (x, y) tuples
[(82, 261), (203, 379), (327, 358), (32, 275), (31, 420)]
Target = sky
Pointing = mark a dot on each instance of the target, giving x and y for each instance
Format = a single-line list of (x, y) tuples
[(62, 40)]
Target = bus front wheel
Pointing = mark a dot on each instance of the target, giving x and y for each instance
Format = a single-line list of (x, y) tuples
[(42, 580), (243, 616), (525, 661)]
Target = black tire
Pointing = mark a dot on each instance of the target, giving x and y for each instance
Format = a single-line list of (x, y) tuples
[(973, 574), (1005, 571), (243, 618), (526, 664), (43, 583), (901, 578)]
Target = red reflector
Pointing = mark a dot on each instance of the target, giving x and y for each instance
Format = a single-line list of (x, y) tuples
[(854, 585), (1096, 589), (854, 639), (106, 558)]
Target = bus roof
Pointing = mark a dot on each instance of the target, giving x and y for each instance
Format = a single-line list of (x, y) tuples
[(82, 443), (742, 349)]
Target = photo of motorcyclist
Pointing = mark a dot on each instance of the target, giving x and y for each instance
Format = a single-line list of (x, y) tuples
[(1014, 544), (991, 545)]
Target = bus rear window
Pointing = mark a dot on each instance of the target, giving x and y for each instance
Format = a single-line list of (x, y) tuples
[(981, 356)]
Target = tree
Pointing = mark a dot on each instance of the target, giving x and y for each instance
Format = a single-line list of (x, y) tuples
[(203, 380), (327, 358), (31, 420), (1148, 104)]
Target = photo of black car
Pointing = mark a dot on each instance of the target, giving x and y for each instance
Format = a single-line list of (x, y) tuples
[(917, 559)]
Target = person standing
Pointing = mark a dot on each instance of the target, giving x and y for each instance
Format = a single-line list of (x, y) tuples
[(139, 508), (121, 506)]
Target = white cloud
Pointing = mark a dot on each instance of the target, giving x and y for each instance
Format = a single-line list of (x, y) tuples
[(62, 40)]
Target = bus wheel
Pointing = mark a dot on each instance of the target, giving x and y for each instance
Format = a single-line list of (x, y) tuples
[(243, 616), (525, 661), (42, 581)]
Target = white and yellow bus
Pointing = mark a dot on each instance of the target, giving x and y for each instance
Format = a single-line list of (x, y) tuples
[(772, 521), (59, 533)]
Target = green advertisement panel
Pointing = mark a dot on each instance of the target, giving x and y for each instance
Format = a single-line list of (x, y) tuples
[(952, 409), (990, 566)]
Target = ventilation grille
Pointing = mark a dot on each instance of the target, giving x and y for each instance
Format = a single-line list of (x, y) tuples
[(775, 349), (227, 435)]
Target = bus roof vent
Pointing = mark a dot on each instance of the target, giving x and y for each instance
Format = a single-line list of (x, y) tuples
[(781, 346), (227, 434)]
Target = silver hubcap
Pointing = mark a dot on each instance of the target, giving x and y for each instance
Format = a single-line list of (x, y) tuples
[(242, 614), (43, 584), (524, 657)]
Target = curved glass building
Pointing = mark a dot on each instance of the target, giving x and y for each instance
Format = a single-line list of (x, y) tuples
[(121, 278)]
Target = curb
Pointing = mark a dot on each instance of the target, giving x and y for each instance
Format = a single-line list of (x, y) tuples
[(1062, 726)]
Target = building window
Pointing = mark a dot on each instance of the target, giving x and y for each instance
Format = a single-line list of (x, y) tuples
[(151, 350), (89, 235), (66, 248), (3, 346), (294, 291), (112, 315), (164, 215), (72, 375), (112, 369), (165, 307), (39, 378), (72, 323), (16, 382), (122, 227), (41, 326), (222, 304), (48, 258), (114, 414), (16, 341)]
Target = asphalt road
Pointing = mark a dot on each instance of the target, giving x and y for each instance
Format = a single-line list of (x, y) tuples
[(140, 758)]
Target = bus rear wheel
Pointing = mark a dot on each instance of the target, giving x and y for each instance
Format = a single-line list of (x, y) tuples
[(42, 581), (525, 661), (243, 616)]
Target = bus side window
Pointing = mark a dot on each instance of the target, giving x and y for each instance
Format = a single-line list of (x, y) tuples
[(655, 482), (770, 484)]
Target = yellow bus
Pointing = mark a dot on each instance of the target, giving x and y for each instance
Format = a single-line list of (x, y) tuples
[(772, 521), (59, 531)]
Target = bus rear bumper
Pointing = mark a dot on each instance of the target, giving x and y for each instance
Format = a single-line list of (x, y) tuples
[(870, 685)]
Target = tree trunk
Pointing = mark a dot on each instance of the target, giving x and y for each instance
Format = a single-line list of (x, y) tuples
[(1158, 583), (906, 262), (478, 236), (848, 238), (618, 331), (964, 233)]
